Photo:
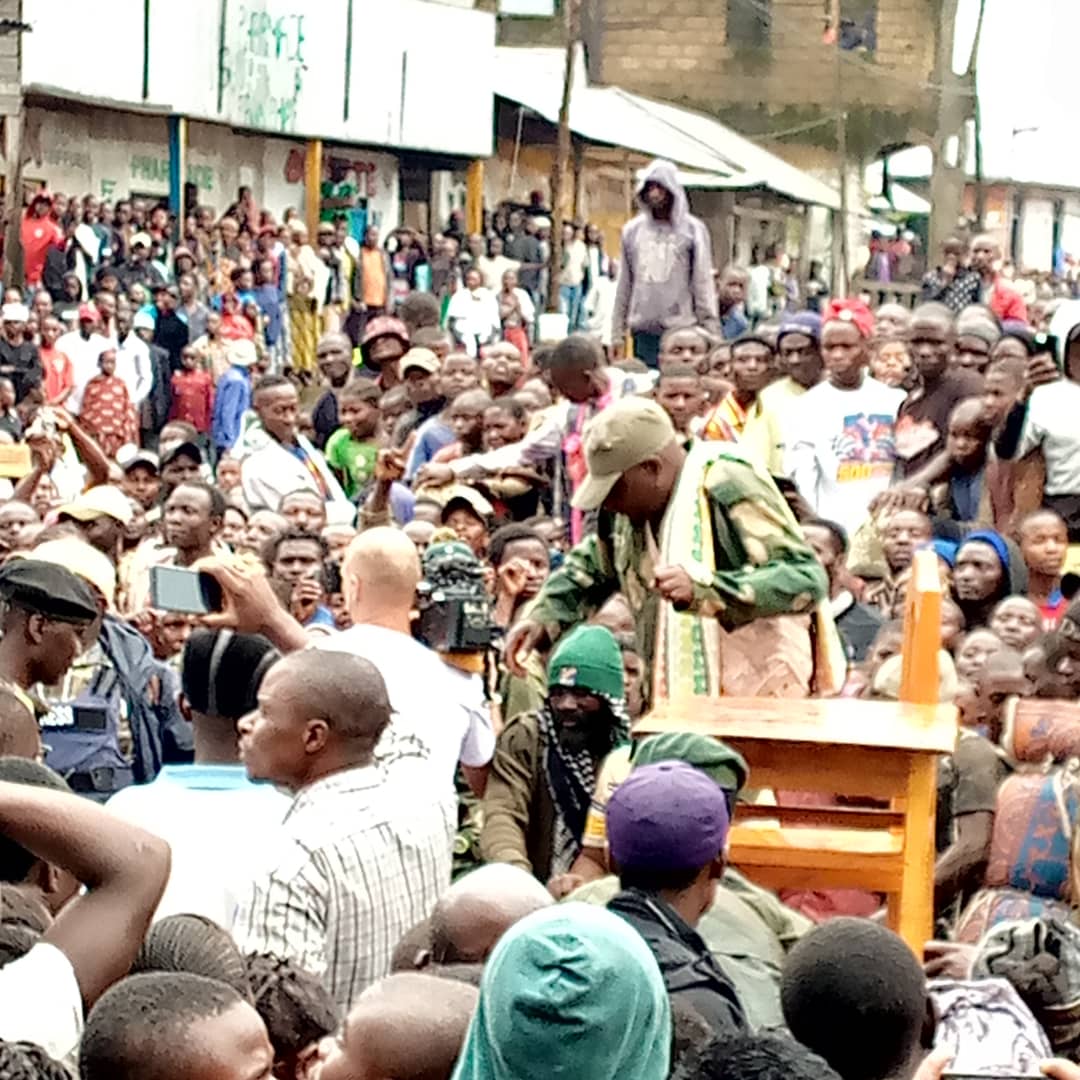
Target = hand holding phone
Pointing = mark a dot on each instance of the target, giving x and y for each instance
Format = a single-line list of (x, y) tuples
[(179, 588)]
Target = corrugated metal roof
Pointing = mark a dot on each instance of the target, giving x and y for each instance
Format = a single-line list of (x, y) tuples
[(611, 115)]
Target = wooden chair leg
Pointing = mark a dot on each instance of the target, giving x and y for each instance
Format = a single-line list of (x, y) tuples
[(915, 910)]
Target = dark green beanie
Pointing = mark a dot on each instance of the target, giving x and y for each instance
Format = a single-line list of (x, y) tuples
[(588, 657), (725, 767)]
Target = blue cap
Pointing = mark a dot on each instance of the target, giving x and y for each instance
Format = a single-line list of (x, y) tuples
[(802, 322)]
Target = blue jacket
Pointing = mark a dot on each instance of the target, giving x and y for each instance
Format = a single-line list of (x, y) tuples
[(232, 399)]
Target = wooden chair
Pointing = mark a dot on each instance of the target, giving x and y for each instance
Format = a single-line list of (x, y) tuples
[(882, 750)]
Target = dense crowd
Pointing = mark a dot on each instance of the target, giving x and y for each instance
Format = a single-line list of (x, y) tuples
[(335, 579)]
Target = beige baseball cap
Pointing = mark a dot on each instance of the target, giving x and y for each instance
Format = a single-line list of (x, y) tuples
[(625, 434), (421, 358)]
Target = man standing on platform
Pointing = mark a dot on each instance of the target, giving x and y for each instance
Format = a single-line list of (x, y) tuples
[(708, 555)]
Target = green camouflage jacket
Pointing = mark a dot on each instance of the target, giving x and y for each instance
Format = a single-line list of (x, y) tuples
[(765, 566)]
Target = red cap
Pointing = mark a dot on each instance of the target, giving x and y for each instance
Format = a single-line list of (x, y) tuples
[(88, 312), (851, 311)]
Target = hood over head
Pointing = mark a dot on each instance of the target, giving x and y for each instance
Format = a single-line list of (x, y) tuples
[(666, 175)]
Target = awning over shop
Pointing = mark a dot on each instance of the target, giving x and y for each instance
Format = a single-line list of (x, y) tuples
[(612, 116)]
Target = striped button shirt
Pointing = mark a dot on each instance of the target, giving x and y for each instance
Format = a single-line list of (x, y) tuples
[(359, 861)]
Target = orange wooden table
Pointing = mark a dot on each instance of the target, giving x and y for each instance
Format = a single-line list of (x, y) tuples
[(885, 750)]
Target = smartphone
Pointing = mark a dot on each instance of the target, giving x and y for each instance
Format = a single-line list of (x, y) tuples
[(176, 588)]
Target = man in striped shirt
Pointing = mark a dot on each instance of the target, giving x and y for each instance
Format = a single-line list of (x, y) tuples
[(359, 858)]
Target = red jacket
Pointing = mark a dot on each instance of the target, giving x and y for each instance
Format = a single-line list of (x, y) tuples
[(1006, 303)]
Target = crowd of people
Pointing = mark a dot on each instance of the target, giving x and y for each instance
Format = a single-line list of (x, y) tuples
[(332, 590)]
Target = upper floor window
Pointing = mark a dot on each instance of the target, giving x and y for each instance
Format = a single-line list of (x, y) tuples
[(748, 23)]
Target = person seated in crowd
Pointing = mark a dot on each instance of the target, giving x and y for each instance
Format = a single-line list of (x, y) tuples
[(385, 1034), (988, 568), (667, 828), (470, 516), (459, 372), (296, 1009), (969, 779), (544, 770), (764, 1056), (903, 532), (682, 397), (160, 1025), (571, 984), (854, 993), (1017, 621), (304, 511), (276, 459), (519, 556), (351, 845), (1044, 540), (740, 416), (465, 416), (857, 623), (294, 563), (196, 945), (50, 835), (890, 359), (351, 449), (476, 911)]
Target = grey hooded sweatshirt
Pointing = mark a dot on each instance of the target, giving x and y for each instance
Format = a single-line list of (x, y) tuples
[(666, 280)]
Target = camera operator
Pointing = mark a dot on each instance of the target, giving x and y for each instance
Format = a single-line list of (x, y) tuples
[(440, 715)]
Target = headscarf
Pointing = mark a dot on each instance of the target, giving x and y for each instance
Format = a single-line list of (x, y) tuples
[(569, 992), (588, 657), (1014, 572), (852, 311)]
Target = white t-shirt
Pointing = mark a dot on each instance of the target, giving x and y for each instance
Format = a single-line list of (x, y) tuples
[(40, 1002), (843, 448), (218, 824), (84, 354), (1051, 425), (440, 715)]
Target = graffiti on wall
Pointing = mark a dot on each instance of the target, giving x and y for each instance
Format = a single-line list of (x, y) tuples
[(263, 68)]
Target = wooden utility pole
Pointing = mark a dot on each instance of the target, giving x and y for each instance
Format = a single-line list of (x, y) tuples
[(841, 269), (973, 79), (562, 156), (947, 180)]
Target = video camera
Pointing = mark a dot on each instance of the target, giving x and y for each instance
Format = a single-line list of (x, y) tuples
[(454, 606)]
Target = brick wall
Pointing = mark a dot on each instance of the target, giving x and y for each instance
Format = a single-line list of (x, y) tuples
[(677, 50)]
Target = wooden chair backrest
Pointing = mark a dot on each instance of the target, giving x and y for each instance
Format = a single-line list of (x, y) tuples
[(922, 631)]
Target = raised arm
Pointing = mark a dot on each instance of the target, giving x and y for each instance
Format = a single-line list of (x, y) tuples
[(123, 868)]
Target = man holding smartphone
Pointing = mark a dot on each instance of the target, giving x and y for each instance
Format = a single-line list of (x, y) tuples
[(1045, 419)]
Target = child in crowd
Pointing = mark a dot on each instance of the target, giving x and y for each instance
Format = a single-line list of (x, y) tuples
[(465, 417), (966, 493), (107, 413), (10, 424), (268, 300), (716, 378), (393, 405), (192, 393), (1018, 622), (1044, 542), (59, 371), (352, 449), (680, 392), (890, 361)]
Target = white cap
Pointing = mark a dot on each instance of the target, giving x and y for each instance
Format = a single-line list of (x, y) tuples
[(143, 321), (14, 313)]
